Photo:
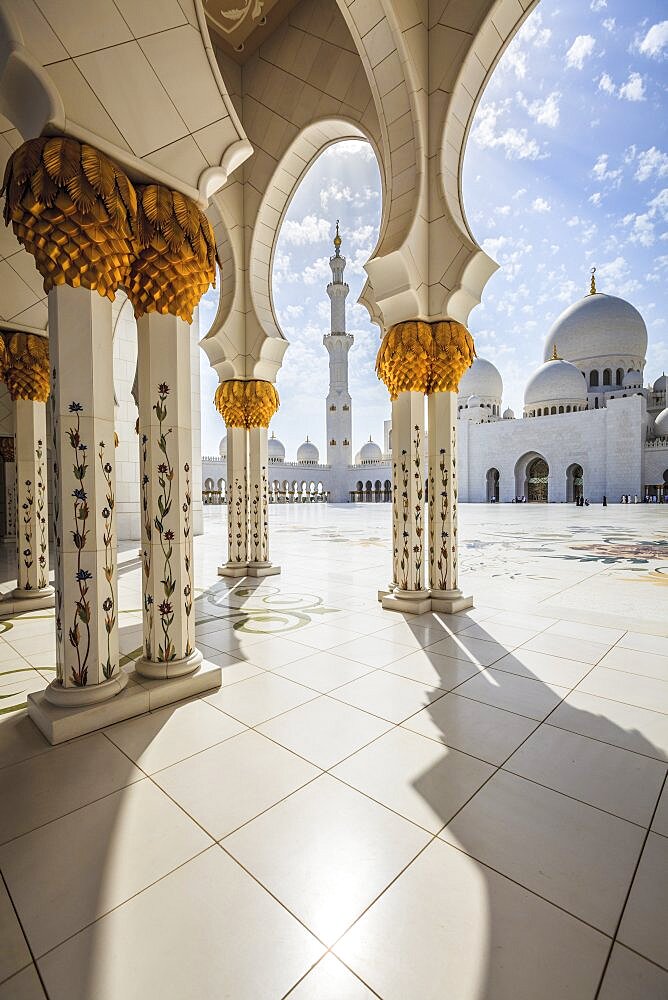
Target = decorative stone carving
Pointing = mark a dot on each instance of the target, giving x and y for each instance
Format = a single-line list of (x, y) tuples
[(246, 404), (416, 356), (24, 366)]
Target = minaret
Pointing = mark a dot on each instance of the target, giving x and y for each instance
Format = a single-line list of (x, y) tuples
[(338, 343)]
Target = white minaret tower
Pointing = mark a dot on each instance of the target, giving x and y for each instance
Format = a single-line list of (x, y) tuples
[(338, 343)]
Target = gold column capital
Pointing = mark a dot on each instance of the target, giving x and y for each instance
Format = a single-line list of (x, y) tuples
[(246, 404), (175, 254), (24, 366), (427, 357), (74, 210)]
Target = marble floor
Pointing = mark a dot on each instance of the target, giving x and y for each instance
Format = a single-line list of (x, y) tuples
[(466, 807)]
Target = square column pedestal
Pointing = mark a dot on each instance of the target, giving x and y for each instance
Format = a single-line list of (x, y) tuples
[(442, 539), (408, 513)]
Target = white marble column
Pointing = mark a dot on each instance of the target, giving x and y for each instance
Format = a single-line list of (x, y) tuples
[(82, 416), (165, 436), (258, 505), (32, 506), (442, 536), (238, 507), (408, 513)]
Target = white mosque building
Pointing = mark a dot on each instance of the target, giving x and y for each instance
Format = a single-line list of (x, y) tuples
[(590, 426)]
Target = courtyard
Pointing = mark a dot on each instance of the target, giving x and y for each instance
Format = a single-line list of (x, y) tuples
[(468, 806)]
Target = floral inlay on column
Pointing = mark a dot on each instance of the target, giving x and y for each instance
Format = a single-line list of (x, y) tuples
[(82, 610), (418, 510), (166, 649), (57, 529), (146, 554), (27, 554), (188, 556), (109, 603), (41, 514), (444, 502), (404, 560)]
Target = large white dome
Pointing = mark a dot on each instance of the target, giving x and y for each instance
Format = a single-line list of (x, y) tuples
[(556, 382), (598, 327), (370, 452), (222, 447), (275, 449), (661, 423), (307, 453), (661, 384), (481, 379)]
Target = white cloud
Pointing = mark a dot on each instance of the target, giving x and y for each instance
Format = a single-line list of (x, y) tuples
[(335, 192), (544, 112), (363, 234), (597, 5), (655, 41), (515, 142), (503, 210), (574, 221), (595, 198), (642, 225), (294, 312), (601, 172), (609, 24), (633, 89), (651, 162), (581, 49), (541, 205), (310, 229)]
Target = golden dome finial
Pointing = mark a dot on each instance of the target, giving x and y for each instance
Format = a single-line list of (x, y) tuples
[(555, 356), (592, 283), (337, 240)]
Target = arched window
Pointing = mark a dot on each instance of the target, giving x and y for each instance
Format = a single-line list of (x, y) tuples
[(332, 408), (593, 378), (553, 409), (619, 376), (568, 409), (596, 403), (607, 377), (561, 409)]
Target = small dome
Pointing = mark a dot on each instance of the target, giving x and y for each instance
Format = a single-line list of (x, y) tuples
[(598, 327), (661, 423), (222, 447), (481, 379), (473, 402), (370, 452), (661, 384), (632, 380), (307, 453), (275, 449), (508, 414), (556, 381)]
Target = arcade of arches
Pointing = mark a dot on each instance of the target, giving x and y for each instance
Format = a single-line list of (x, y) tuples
[(152, 150)]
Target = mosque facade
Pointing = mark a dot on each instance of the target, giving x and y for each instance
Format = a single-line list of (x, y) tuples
[(591, 426)]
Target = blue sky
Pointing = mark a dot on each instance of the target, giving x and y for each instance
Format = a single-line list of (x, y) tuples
[(566, 167)]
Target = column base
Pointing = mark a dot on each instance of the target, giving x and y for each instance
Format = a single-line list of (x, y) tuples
[(450, 601), (414, 602), (140, 695), (91, 694), (154, 669), (391, 587), (19, 600), (262, 569), (233, 569)]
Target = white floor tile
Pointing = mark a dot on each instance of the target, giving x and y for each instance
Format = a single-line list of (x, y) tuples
[(630, 977), (643, 926), (260, 698), (330, 980), (449, 920), (646, 643), (14, 952), (479, 652), (114, 842), (236, 934), (386, 694), (508, 636), (326, 852), (551, 844), (433, 669), (24, 985), (634, 662), (614, 722), (624, 783), (323, 671), (164, 737), (644, 692), (229, 784), (324, 731), (590, 633), (543, 667), (63, 779), (373, 651), (488, 733), (415, 777), (568, 648), (535, 699)]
